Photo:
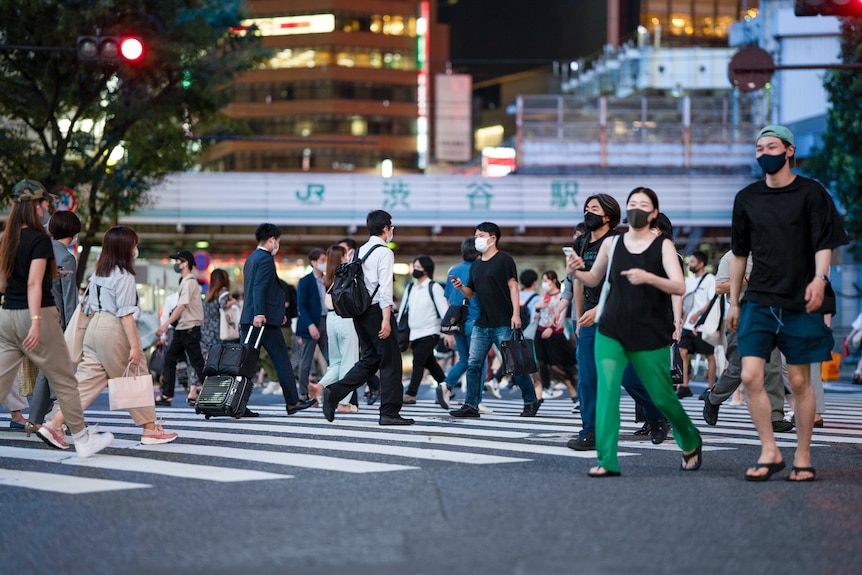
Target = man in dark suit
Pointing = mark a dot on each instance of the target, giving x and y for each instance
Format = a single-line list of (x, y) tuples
[(311, 323), (264, 308)]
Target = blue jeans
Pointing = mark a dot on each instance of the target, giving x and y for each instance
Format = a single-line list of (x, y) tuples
[(588, 378), (462, 346), (480, 343)]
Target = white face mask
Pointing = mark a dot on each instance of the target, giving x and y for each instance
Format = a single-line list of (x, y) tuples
[(546, 286), (274, 250), (482, 245), (135, 254), (321, 267)]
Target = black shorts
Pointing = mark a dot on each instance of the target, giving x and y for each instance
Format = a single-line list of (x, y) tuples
[(693, 343)]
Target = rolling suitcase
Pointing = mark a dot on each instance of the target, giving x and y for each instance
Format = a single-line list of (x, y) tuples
[(227, 393)]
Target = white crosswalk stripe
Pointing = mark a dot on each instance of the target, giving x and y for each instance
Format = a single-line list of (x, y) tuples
[(225, 450)]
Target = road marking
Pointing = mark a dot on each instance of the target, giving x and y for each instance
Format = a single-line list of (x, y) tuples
[(68, 484)]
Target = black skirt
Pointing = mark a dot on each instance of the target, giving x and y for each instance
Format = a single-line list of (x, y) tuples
[(556, 350)]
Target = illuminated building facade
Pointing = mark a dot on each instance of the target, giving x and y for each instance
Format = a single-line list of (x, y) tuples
[(346, 88)]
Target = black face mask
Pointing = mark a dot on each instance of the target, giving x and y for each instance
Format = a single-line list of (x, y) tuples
[(637, 218), (418, 274), (178, 267), (593, 221), (772, 164), (692, 269)]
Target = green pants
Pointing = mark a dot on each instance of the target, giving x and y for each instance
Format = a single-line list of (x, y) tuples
[(653, 369)]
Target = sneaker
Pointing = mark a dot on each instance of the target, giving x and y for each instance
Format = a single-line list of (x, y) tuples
[(485, 409), (157, 435), (52, 436), (585, 442), (781, 426), (710, 411), (658, 431), (643, 431), (92, 442), (683, 392), (530, 409), (443, 396), (408, 400), (271, 388), (551, 393), (577, 407), (493, 387), (703, 395), (465, 411)]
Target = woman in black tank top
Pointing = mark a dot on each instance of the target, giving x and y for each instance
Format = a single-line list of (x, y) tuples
[(637, 326)]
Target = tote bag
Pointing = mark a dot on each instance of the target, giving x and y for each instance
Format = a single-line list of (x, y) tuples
[(519, 355), (228, 327), (131, 391), (27, 374), (606, 287)]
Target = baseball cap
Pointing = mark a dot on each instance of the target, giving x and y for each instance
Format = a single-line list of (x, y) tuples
[(27, 190), (776, 131), (184, 255)]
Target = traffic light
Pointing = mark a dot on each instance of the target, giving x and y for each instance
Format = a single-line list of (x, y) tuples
[(851, 8), (110, 49)]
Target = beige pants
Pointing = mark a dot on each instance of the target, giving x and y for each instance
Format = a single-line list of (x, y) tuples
[(106, 354), (51, 356)]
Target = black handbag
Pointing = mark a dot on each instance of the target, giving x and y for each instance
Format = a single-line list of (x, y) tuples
[(236, 359), (403, 334), (519, 355), (675, 364), (829, 305), (453, 320)]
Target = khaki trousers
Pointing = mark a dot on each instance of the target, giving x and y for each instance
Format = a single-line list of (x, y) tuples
[(106, 354), (51, 356)]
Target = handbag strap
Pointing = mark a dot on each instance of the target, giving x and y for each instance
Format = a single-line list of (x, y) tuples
[(611, 259)]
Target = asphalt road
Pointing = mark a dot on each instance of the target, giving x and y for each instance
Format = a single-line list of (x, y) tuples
[(498, 495)]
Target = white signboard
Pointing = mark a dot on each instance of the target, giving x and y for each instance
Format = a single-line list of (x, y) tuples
[(452, 125)]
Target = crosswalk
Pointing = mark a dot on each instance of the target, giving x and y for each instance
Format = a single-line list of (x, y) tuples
[(225, 450)]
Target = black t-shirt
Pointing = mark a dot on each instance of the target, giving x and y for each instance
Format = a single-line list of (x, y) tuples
[(782, 228), (34, 245), (589, 251), (492, 278)]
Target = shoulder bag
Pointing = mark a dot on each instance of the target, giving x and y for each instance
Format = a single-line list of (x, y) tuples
[(606, 287), (519, 355), (77, 326)]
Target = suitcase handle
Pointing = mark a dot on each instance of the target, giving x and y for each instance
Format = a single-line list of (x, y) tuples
[(259, 335)]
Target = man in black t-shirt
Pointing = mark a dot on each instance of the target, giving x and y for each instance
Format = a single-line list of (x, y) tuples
[(494, 281), (790, 226)]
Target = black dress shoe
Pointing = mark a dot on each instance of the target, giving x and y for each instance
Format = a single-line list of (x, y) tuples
[(300, 405), (395, 420), (250, 413), (658, 431), (328, 405)]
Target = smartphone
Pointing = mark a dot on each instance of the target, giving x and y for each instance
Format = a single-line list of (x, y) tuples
[(568, 251)]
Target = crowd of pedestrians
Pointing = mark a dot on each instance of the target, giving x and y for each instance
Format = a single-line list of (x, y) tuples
[(624, 304)]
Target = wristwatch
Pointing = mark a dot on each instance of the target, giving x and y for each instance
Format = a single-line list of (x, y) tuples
[(824, 277)]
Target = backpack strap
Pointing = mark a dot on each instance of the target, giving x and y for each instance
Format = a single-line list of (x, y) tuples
[(434, 303)]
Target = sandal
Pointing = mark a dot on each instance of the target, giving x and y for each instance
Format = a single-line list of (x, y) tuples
[(798, 470), (771, 469), (161, 400), (698, 452), (602, 472)]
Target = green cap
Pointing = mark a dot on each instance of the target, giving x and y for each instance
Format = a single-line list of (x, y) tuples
[(776, 131), (27, 190)]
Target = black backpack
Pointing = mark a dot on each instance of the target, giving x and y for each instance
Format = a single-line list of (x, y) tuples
[(525, 310), (290, 297), (349, 296)]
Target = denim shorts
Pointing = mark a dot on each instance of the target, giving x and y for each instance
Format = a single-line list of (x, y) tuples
[(802, 337)]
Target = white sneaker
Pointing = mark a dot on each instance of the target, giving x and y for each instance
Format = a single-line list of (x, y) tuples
[(92, 442), (551, 393), (493, 387), (271, 387), (484, 409)]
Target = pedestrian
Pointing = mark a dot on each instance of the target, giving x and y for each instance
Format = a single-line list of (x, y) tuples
[(378, 344), (186, 342), (424, 304), (494, 280), (789, 225), (699, 291), (636, 326), (601, 218), (311, 323), (554, 352), (219, 308), (64, 228), (287, 335), (112, 345), (460, 341), (343, 340), (30, 320), (264, 308)]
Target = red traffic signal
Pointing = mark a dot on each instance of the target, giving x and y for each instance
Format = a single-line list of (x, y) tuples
[(849, 8), (110, 49)]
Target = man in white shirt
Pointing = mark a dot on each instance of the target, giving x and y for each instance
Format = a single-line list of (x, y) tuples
[(699, 291), (376, 329)]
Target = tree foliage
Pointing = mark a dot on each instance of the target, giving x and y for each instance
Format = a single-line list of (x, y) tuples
[(838, 162), (60, 118)]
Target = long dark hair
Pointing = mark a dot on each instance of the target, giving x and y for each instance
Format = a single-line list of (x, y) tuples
[(218, 280), (117, 251), (23, 215), (334, 255)]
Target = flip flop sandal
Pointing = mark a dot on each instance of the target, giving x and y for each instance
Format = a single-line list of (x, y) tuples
[(772, 469), (696, 453), (603, 473), (798, 470)]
